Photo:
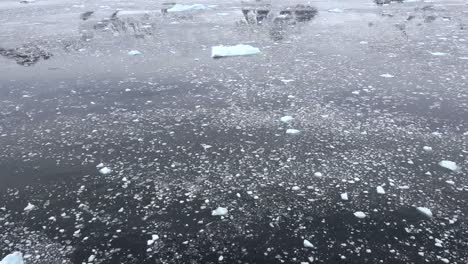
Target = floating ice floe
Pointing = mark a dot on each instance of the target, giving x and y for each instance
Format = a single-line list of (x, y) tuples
[(13, 258), (220, 211), (463, 58), (449, 165), (134, 53), (105, 170), (307, 244), (237, 50), (335, 10), (438, 53), (286, 119), (182, 8), (295, 188), (360, 215), (344, 196), (380, 190), (387, 75), (425, 211), (318, 174), (292, 131), (29, 207)]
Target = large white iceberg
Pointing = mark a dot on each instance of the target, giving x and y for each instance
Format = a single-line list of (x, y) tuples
[(13, 258), (182, 8), (237, 50)]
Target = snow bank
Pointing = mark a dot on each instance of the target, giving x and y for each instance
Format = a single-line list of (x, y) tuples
[(237, 50)]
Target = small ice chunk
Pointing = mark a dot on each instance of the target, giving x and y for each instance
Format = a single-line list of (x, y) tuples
[(360, 215), (13, 258), (295, 188), (150, 242), (449, 165), (425, 211), (91, 258), (219, 211), (387, 75), (182, 8), (318, 174), (154, 237), (134, 53), (344, 196), (307, 244), (380, 190), (335, 10), (286, 119), (450, 182), (105, 170), (100, 165), (292, 131), (427, 148), (438, 53), (29, 207), (237, 50)]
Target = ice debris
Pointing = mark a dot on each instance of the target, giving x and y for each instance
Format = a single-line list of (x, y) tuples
[(220, 211), (237, 50)]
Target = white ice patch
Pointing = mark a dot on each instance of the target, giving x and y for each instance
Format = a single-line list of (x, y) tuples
[(134, 53), (425, 211), (344, 196), (100, 165), (387, 75), (237, 50), (27, 2), (380, 190), (450, 182), (307, 244), (292, 131), (105, 171), (295, 188), (13, 258), (360, 215), (29, 207), (220, 211), (449, 165), (182, 8), (286, 119)]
